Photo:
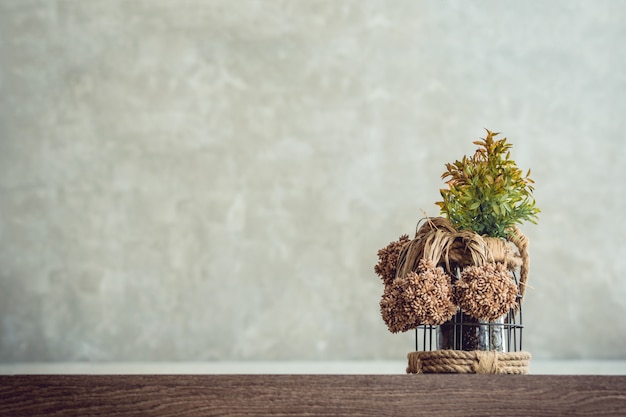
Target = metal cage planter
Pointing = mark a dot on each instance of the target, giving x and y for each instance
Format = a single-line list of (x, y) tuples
[(482, 330)]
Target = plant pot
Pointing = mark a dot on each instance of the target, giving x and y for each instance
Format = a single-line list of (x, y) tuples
[(463, 332)]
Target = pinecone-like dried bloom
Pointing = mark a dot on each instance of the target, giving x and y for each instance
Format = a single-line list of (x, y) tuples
[(422, 297), (388, 259), (486, 292), (392, 308)]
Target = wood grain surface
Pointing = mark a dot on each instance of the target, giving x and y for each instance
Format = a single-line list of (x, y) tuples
[(311, 395)]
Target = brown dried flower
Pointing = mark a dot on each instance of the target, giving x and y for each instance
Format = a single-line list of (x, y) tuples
[(486, 292), (388, 259), (422, 297)]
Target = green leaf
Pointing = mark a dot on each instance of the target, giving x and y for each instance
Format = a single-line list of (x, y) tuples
[(487, 191)]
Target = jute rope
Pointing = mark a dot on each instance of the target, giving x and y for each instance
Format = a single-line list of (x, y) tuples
[(521, 241), (468, 362)]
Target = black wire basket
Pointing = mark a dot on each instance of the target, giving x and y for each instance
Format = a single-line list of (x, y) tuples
[(463, 332)]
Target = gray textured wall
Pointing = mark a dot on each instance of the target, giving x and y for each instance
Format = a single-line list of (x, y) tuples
[(206, 180)]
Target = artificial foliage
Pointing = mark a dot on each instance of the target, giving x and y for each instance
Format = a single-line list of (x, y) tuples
[(424, 296), (388, 259), (486, 292), (487, 193), (462, 265)]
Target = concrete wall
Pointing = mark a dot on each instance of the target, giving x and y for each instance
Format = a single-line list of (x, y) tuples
[(211, 180)]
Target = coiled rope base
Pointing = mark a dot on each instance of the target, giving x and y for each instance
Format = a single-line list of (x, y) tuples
[(467, 362)]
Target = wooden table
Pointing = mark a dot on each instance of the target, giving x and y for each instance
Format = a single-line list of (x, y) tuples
[(312, 395)]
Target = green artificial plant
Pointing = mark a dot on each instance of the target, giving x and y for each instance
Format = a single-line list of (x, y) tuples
[(487, 193)]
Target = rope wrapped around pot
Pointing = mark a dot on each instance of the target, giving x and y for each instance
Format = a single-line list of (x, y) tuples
[(467, 362)]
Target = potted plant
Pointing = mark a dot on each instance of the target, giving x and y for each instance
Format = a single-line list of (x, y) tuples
[(456, 279)]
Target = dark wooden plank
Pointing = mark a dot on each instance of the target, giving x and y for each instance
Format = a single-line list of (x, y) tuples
[(311, 395)]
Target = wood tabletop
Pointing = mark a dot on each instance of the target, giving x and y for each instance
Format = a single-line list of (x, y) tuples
[(312, 395)]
